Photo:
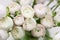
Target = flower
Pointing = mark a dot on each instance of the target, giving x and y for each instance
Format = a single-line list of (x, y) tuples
[(18, 32), (19, 20), (6, 23), (27, 11), (13, 7), (29, 24), (48, 21), (54, 31), (40, 10), (39, 31)]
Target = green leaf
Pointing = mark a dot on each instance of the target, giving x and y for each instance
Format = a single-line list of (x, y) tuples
[(8, 11), (17, 13), (58, 23), (54, 14), (58, 2), (34, 3)]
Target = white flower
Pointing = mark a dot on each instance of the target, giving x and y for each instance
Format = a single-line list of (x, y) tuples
[(10, 37), (6, 23), (47, 21), (18, 32), (19, 20), (57, 37), (57, 17), (2, 11), (40, 10), (54, 31), (26, 2), (3, 35), (39, 31), (29, 24), (27, 11), (13, 7)]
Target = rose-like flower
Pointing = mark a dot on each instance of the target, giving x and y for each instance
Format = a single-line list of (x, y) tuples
[(6, 23), (18, 32), (13, 7), (26, 2), (10, 37), (2, 11), (40, 10), (48, 21), (54, 31), (39, 31), (19, 20), (27, 11), (29, 24), (3, 35)]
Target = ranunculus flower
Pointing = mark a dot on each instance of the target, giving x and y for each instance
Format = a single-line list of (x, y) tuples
[(6, 23), (19, 20), (48, 21), (40, 10), (39, 31), (29, 24), (13, 7), (18, 32), (27, 11)]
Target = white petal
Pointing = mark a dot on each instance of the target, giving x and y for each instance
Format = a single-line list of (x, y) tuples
[(2, 11)]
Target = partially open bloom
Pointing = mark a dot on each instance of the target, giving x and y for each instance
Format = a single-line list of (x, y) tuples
[(18, 32), (26, 2), (6, 23), (39, 31), (2, 11), (47, 21), (10, 37), (29, 24), (27, 11), (40, 10), (19, 20), (3, 35), (13, 7)]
